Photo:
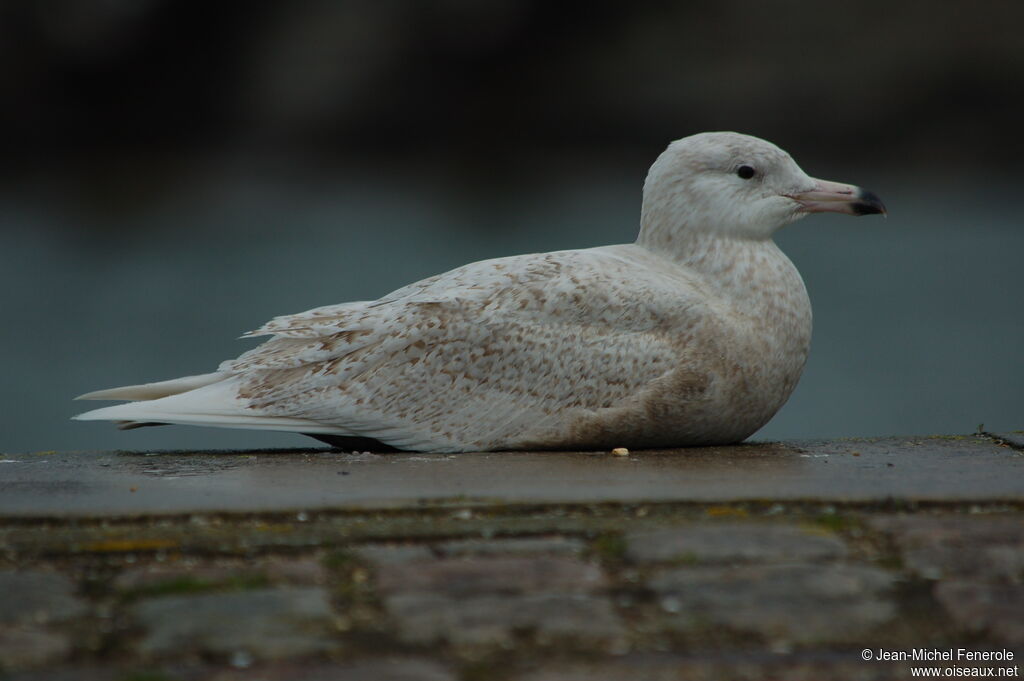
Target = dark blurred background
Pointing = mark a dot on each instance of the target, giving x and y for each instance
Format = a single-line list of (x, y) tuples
[(174, 174)]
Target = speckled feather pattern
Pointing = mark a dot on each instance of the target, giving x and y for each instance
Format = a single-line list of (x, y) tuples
[(565, 349), (696, 334)]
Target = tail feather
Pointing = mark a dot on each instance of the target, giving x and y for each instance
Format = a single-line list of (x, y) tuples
[(131, 415), (154, 391), (206, 400)]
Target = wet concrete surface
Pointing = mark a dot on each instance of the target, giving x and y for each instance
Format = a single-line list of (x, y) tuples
[(772, 560), (912, 469)]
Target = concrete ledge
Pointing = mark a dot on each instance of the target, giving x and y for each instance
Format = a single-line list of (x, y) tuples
[(777, 560), (913, 469)]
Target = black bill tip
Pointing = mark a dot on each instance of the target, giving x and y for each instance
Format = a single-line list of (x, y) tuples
[(868, 203)]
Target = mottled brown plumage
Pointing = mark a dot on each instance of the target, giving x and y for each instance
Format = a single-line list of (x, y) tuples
[(696, 334)]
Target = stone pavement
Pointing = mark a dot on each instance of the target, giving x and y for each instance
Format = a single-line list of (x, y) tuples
[(763, 561)]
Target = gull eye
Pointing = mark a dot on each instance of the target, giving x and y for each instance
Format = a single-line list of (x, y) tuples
[(746, 172)]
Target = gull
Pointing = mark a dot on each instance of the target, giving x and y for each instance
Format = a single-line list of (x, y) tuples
[(696, 334)]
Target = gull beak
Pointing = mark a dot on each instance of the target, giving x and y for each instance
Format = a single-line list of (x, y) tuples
[(834, 197)]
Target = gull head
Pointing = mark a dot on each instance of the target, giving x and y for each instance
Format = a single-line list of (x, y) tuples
[(733, 185)]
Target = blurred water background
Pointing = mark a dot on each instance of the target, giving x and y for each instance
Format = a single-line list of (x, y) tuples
[(178, 173)]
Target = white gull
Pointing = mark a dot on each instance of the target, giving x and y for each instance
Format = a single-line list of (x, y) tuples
[(694, 335)]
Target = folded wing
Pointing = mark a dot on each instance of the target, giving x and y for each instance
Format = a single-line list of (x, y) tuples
[(490, 354)]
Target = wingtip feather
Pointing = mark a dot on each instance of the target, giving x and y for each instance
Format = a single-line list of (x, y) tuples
[(154, 391)]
